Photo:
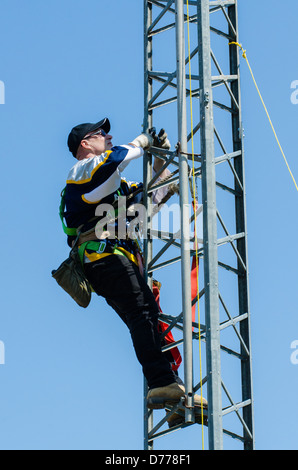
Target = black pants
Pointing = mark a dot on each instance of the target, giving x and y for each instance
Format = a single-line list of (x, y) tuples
[(119, 281)]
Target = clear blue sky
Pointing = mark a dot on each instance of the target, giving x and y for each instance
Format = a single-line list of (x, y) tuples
[(70, 378)]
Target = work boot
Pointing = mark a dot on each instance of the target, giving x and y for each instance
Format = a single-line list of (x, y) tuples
[(197, 398), (178, 418), (159, 396), (199, 403)]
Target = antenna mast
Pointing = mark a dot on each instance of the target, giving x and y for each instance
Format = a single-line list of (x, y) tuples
[(215, 131)]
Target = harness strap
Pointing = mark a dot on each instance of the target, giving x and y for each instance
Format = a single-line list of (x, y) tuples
[(81, 251), (72, 232)]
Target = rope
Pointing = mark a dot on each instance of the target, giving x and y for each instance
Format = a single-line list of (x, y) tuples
[(270, 121), (195, 222)]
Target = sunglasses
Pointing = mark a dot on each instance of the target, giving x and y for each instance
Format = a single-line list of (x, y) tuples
[(99, 132)]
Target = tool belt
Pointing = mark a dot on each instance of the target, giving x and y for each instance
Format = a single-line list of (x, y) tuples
[(71, 275)]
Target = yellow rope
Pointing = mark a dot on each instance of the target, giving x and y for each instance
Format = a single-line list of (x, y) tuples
[(274, 132), (195, 224)]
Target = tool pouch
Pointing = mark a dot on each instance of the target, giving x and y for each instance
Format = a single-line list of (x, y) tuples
[(71, 277)]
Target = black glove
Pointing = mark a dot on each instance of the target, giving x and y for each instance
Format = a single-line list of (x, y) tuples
[(161, 140)]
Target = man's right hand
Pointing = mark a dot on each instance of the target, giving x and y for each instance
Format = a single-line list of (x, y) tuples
[(143, 140)]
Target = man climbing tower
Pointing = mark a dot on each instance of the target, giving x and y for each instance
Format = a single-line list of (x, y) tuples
[(111, 264)]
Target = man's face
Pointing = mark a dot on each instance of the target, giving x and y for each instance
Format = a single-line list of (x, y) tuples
[(97, 141)]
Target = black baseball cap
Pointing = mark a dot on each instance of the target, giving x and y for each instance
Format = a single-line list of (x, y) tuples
[(78, 133)]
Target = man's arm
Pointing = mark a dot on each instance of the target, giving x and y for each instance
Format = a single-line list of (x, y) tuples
[(161, 140), (105, 178), (158, 163)]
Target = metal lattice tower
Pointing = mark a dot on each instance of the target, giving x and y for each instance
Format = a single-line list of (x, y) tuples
[(213, 94)]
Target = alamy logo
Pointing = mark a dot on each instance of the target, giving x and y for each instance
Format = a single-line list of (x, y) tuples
[(2, 353), (294, 95), (2, 92), (129, 222)]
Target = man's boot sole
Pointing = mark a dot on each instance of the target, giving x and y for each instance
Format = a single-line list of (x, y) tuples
[(179, 419), (158, 403)]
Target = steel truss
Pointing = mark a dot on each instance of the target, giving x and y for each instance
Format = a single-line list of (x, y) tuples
[(208, 78)]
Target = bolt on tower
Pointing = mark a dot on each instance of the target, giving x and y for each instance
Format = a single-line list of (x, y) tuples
[(192, 88)]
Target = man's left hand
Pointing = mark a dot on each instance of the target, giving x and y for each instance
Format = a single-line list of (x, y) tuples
[(161, 140)]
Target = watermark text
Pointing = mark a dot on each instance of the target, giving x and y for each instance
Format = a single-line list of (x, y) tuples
[(2, 92), (2, 353), (123, 221), (294, 95), (294, 355)]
